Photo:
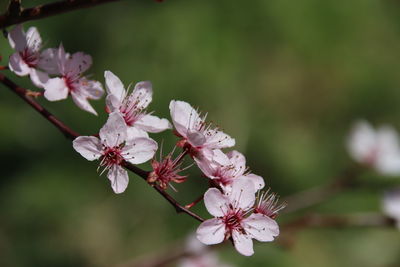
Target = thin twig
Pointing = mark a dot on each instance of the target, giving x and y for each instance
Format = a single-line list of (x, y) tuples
[(46, 10), (70, 134)]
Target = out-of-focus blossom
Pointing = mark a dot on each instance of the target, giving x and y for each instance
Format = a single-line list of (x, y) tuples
[(70, 68), (231, 211), (113, 147), (226, 168), (196, 134), (28, 59), (199, 255), (133, 106), (391, 205), (378, 148)]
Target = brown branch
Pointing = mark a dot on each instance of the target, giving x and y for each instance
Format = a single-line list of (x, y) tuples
[(46, 10), (70, 134)]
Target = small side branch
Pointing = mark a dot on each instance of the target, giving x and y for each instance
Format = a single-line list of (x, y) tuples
[(42, 11)]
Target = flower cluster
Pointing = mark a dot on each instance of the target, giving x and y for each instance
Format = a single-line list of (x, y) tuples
[(124, 139)]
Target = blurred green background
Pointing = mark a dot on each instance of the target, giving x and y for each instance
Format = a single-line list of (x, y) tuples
[(285, 78)]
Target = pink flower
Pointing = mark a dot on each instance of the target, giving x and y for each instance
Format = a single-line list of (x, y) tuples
[(196, 134), (377, 148), (267, 204), (113, 148), (70, 69), (167, 170), (226, 168), (133, 106), (231, 212), (28, 58)]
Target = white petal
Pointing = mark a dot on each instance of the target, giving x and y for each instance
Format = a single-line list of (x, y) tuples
[(142, 94), (139, 150), (88, 146), (361, 141), (388, 164), (261, 227), (153, 124), (34, 42), (211, 232), (82, 102), (206, 165), (113, 133), (112, 103), (17, 39), (391, 204), (18, 65), (78, 63), (48, 61), (215, 202), (243, 243), (134, 132), (55, 89), (114, 86), (119, 178), (184, 117), (39, 78), (195, 138), (221, 158), (238, 160), (257, 180), (217, 140), (242, 194)]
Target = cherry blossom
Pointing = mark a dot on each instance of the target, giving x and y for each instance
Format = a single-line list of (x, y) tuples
[(27, 60), (226, 168), (231, 211), (70, 69), (113, 147), (378, 148), (391, 205), (196, 134), (167, 170), (267, 204), (133, 106)]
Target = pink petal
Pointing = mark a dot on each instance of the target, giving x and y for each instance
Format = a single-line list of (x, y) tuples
[(48, 61), (18, 65), (82, 102), (34, 42), (243, 243), (39, 78), (139, 150), (119, 179), (142, 94), (218, 140), (134, 132), (238, 160), (221, 158), (215, 202), (206, 165), (242, 194), (55, 89), (78, 63), (153, 124), (211, 232), (258, 181), (112, 103), (90, 89), (114, 86), (261, 227), (184, 117), (17, 39), (88, 146), (195, 138), (113, 133)]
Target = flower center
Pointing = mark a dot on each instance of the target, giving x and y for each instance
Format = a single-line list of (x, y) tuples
[(31, 59), (112, 156), (233, 219)]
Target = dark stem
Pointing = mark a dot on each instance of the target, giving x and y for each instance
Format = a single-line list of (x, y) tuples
[(11, 17), (70, 134)]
